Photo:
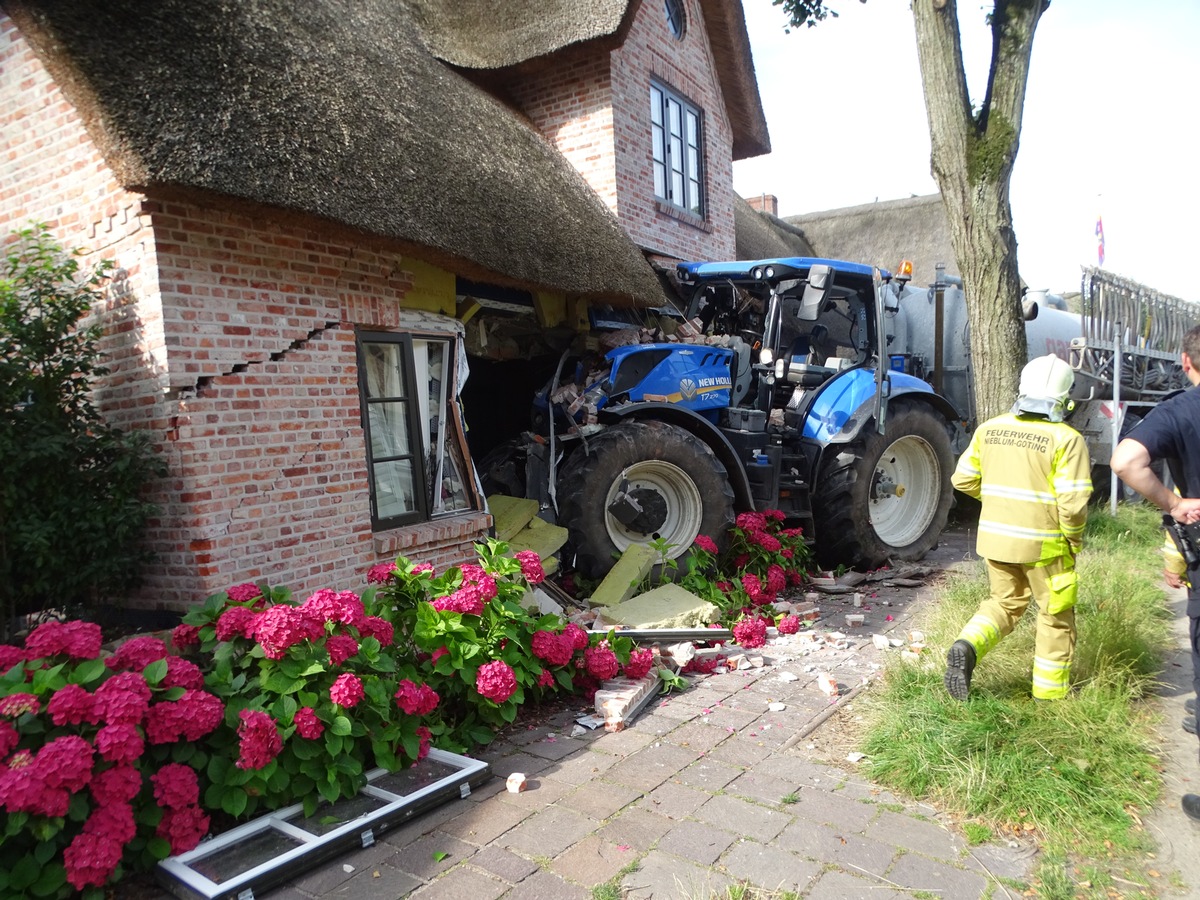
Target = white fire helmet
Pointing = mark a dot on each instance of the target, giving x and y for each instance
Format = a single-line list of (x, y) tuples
[(1045, 388)]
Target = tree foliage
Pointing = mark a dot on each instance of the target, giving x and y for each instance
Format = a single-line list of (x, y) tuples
[(974, 148), (71, 510)]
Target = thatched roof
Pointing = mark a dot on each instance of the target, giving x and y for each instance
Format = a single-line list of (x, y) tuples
[(883, 234), (761, 235), (482, 34), (331, 109)]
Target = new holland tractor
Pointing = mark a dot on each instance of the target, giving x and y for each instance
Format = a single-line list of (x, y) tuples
[(804, 385)]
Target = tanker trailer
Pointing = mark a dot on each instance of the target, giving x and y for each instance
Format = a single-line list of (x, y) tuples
[(1125, 329)]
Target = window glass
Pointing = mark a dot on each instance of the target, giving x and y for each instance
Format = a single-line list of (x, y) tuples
[(416, 462), (676, 150), (675, 18)]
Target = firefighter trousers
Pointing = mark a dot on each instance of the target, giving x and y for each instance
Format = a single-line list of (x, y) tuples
[(1053, 584)]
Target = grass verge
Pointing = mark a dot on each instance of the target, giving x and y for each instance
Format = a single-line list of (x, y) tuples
[(1073, 773)]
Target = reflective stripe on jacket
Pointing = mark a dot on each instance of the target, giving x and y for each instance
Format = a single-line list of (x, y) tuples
[(1034, 479)]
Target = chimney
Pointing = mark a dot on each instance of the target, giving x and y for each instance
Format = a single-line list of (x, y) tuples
[(767, 203)]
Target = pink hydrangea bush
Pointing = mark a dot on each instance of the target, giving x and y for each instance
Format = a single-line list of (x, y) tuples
[(92, 780), (312, 695), (479, 649), (763, 562)]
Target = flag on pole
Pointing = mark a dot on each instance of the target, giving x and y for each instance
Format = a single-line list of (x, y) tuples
[(1100, 239)]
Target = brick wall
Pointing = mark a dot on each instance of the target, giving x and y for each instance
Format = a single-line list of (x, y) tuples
[(596, 111), (686, 66), (232, 341)]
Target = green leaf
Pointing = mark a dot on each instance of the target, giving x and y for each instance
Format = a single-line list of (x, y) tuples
[(24, 873), (439, 855), (155, 672), (279, 683), (88, 671), (51, 881), (508, 711), (340, 726), (160, 848), (329, 791), (234, 802)]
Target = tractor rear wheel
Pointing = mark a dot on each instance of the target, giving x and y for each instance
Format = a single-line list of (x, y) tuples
[(885, 496), (638, 482)]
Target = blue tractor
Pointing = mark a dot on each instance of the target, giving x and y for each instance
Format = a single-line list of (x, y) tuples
[(776, 390)]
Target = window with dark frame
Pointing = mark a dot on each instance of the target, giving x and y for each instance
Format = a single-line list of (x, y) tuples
[(416, 466), (677, 145)]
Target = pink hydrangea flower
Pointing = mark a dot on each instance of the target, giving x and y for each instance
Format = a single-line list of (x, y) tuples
[(556, 649), (120, 743), (237, 621), (531, 566), (10, 656), (182, 673), (244, 593), (176, 786), (601, 661), (341, 647), (123, 698), (461, 601), (776, 578), (477, 579), (9, 738), (191, 717), (90, 859), (422, 567), (120, 784), (789, 624), (640, 663), (753, 588), (183, 828), (705, 543), (78, 640), (114, 820), (438, 654), (750, 633), (380, 573), (346, 690), (345, 607), (380, 629), (308, 725), (751, 521), (137, 653), (495, 681), (416, 699), (425, 741), (546, 679), (16, 705), (258, 739), (579, 637), (184, 636), (280, 627)]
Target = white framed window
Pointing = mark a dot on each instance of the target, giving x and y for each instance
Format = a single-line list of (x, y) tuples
[(416, 465), (676, 129)]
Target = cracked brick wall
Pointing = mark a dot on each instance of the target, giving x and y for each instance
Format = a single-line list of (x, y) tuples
[(230, 338)]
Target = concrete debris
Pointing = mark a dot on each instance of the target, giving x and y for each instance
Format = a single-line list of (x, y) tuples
[(621, 699), (542, 603), (669, 606), (828, 684), (622, 580), (855, 620), (881, 641), (578, 730), (515, 783), (776, 706), (855, 757)]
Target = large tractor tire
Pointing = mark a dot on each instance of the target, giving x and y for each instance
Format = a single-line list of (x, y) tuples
[(885, 497), (678, 483)]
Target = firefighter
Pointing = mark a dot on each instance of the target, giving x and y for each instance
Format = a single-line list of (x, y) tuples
[(1032, 474)]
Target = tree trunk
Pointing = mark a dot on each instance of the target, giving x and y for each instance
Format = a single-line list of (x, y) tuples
[(972, 161)]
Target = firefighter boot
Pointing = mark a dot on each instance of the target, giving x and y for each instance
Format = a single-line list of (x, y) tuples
[(960, 663), (1191, 806)]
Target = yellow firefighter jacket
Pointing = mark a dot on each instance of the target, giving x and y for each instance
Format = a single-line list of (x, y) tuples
[(1034, 479)]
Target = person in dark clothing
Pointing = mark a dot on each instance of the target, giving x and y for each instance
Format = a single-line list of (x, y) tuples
[(1171, 432)]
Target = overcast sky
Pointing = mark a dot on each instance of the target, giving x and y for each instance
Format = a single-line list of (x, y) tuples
[(1110, 128)]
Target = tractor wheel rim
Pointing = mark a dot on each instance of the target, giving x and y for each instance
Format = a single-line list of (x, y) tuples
[(685, 507), (912, 464)]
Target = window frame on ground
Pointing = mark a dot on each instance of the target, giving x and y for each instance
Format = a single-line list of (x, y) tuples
[(677, 149), (413, 437)]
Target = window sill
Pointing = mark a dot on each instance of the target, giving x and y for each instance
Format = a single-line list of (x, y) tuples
[(682, 215), (471, 525)]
